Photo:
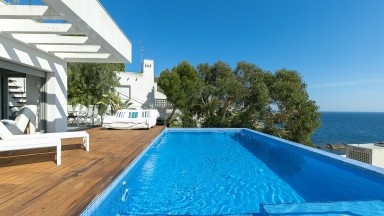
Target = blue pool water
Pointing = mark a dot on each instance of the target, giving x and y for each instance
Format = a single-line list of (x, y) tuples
[(232, 172)]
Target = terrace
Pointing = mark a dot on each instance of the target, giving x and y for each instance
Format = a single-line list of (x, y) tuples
[(32, 184), (37, 42)]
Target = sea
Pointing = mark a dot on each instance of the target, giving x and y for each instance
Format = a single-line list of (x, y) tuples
[(349, 128)]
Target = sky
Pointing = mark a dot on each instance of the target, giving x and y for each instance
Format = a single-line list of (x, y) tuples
[(337, 46)]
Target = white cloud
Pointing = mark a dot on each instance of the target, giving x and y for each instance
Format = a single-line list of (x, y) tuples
[(344, 83)]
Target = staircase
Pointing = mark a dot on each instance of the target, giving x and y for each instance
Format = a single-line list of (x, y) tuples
[(16, 93)]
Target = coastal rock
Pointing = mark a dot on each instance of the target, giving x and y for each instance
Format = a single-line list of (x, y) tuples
[(335, 146)]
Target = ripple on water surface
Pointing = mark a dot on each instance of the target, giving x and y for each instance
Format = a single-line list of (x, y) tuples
[(203, 173), (231, 173)]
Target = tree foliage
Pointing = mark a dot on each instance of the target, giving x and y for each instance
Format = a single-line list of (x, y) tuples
[(219, 92), (247, 96), (89, 83), (113, 100), (297, 115), (14, 1), (181, 86)]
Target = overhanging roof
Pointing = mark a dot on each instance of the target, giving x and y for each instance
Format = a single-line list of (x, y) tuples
[(74, 30)]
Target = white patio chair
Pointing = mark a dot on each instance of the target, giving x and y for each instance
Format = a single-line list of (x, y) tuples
[(96, 117), (83, 114), (76, 107), (70, 115), (74, 115), (89, 115), (70, 108)]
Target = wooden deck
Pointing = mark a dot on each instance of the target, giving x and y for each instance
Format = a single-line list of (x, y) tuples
[(32, 184)]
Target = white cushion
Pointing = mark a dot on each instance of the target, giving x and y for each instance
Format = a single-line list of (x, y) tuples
[(4, 132)]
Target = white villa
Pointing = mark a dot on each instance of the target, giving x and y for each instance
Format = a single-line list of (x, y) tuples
[(37, 41), (141, 89)]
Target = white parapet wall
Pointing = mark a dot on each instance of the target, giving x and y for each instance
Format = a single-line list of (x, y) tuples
[(139, 85)]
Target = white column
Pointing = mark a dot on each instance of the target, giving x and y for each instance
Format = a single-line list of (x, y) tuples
[(56, 87)]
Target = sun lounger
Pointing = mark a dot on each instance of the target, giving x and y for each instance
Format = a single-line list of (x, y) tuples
[(63, 135), (31, 143), (27, 141), (10, 142)]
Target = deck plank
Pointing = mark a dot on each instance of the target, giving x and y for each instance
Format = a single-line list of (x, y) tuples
[(32, 184)]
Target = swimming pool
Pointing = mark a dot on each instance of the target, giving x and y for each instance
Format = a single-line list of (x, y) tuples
[(232, 171)]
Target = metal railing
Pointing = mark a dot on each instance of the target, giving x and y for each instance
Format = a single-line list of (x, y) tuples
[(163, 103)]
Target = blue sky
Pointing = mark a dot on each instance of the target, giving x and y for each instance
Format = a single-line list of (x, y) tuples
[(337, 46)]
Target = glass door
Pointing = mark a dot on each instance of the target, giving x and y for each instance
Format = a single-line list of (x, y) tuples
[(41, 108), (3, 97)]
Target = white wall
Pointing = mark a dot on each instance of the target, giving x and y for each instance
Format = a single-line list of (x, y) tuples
[(159, 95), (141, 85), (56, 78), (142, 88)]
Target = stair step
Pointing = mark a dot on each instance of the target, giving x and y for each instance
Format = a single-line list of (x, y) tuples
[(23, 97), (16, 92), (14, 87), (21, 102), (17, 106)]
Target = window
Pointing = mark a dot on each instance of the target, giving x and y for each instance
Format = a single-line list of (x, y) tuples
[(145, 114)]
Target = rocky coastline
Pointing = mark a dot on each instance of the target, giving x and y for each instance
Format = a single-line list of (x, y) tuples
[(340, 146)]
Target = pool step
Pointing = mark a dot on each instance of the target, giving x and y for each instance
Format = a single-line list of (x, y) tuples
[(366, 208)]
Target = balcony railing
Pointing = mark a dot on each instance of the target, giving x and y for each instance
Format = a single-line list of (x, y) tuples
[(163, 103)]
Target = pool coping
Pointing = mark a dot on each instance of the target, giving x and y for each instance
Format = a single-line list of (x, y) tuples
[(347, 161)]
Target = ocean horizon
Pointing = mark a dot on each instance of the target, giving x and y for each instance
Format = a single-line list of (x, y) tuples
[(349, 128)]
